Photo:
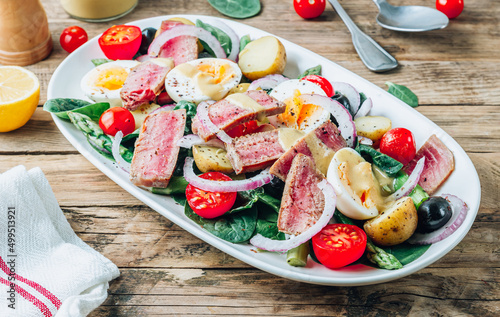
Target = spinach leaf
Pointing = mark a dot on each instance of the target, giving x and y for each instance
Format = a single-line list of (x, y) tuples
[(176, 186), (239, 9), (403, 93), (100, 61), (244, 40), (406, 252), (384, 162), (311, 71), (269, 230), (190, 113), (224, 39), (235, 228), (181, 158), (61, 106)]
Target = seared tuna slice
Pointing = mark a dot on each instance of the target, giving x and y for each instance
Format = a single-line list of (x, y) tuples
[(439, 163), (237, 109), (319, 144), (303, 202), (255, 151), (144, 82), (182, 48), (156, 148)]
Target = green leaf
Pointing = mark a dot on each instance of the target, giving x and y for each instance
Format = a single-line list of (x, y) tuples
[(269, 230), (384, 162), (244, 40), (100, 61), (176, 186), (403, 93), (61, 106), (222, 37), (190, 113), (239, 9), (407, 253), (316, 70)]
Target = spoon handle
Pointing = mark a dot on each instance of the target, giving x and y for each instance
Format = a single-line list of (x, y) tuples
[(372, 55)]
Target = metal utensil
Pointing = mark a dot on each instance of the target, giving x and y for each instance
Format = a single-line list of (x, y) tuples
[(372, 55), (409, 18)]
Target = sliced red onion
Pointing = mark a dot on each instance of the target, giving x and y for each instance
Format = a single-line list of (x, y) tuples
[(235, 40), (190, 30), (115, 150), (460, 210), (349, 92), (341, 114), (189, 140), (202, 113), (144, 58), (279, 78), (224, 186), (163, 108), (263, 83), (410, 183), (267, 244), (364, 109), (365, 141)]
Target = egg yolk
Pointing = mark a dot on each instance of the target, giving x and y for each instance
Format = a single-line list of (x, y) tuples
[(219, 74), (296, 112), (111, 78)]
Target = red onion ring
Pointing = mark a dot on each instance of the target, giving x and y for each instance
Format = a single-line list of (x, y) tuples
[(344, 119), (224, 186), (364, 109), (349, 92), (410, 183), (202, 113), (235, 40), (460, 210), (115, 150), (189, 140), (144, 58), (267, 244), (279, 78), (163, 108), (263, 83), (191, 30)]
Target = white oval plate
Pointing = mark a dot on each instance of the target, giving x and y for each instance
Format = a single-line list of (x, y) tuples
[(464, 181)]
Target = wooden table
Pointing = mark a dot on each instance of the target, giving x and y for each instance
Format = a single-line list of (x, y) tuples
[(167, 271)]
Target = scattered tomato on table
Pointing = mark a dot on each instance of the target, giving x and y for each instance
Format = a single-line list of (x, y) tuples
[(309, 9), (72, 38), (117, 119), (121, 41), (452, 8)]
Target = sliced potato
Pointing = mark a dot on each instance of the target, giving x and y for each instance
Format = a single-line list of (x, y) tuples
[(394, 225), (142, 112), (211, 159), (241, 88), (262, 57), (372, 127)]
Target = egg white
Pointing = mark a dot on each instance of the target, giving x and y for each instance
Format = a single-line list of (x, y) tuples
[(98, 93), (182, 83)]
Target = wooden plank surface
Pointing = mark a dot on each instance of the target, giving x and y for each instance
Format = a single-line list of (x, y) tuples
[(166, 271)]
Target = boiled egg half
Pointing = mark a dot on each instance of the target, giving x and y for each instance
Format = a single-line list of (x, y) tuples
[(202, 79), (304, 117), (358, 191), (104, 83)]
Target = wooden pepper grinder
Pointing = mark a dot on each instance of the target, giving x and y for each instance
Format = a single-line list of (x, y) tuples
[(25, 38)]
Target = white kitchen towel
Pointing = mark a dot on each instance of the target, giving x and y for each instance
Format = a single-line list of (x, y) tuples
[(45, 269)]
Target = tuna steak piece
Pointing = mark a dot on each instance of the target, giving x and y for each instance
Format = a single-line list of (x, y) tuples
[(156, 148), (144, 82), (237, 109), (254, 151), (303, 202), (439, 163), (182, 48), (319, 144)]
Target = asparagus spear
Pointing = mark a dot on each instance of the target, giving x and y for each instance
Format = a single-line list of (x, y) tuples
[(298, 256), (96, 137)]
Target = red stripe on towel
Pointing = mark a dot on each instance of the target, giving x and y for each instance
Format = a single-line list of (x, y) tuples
[(35, 301)]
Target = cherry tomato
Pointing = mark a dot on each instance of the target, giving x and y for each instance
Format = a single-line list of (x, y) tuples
[(243, 129), (399, 144), (309, 9), (117, 119), (452, 8), (322, 82), (72, 38), (121, 41), (338, 245), (210, 204)]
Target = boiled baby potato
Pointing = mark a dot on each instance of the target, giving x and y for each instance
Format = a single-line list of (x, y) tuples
[(262, 57), (142, 112), (372, 127), (394, 225), (211, 159)]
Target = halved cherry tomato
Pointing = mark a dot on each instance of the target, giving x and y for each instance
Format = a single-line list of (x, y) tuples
[(243, 129), (210, 204), (338, 245), (452, 8), (309, 9), (121, 41), (322, 82), (117, 119), (72, 38), (399, 144)]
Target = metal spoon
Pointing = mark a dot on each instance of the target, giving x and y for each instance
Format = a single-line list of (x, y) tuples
[(409, 18), (372, 55)]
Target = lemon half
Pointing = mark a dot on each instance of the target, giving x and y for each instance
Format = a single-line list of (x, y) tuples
[(19, 97)]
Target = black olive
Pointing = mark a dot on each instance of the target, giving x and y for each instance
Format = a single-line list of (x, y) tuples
[(148, 35), (433, 214)]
